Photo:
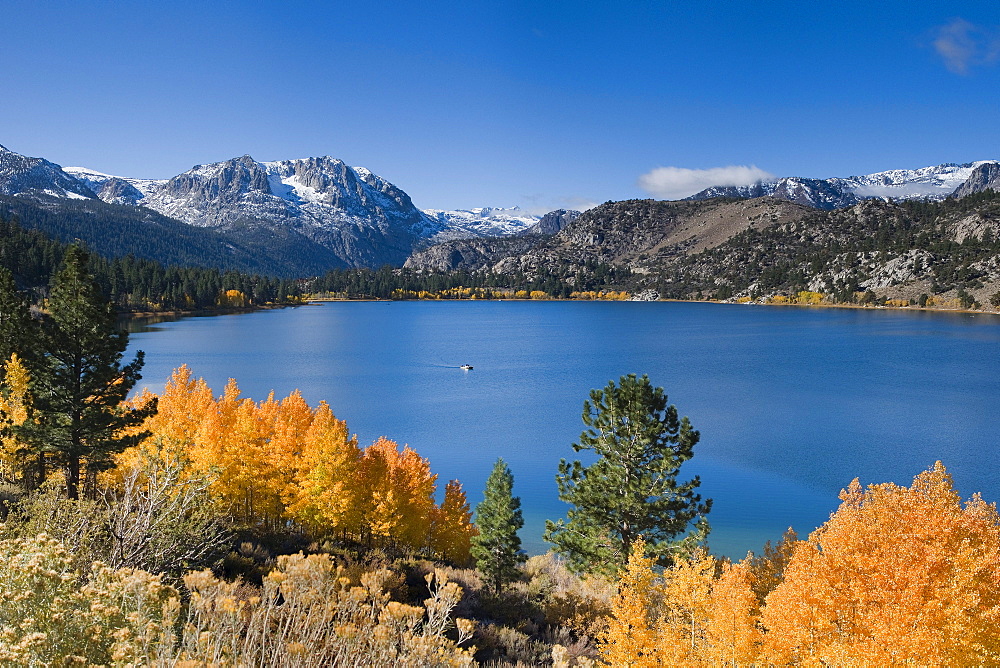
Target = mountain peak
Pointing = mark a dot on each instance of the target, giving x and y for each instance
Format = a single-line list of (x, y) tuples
[(37, 177), (933, 183)]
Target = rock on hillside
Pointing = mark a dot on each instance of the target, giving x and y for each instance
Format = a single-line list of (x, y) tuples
[(470, 254), (985, 177), (553, 222)]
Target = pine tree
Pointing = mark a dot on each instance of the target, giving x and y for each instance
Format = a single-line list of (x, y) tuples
[(16, 326), (632, 490), (497, 547), (79, 383)]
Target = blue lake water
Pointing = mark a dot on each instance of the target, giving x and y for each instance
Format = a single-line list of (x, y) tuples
[(791, 403)]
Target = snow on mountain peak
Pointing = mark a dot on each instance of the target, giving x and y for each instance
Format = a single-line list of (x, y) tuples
[(934, 183), (482, 222)]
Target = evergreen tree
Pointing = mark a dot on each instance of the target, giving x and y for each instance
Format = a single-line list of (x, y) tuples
[(497, 547), (15, 321), (78, 383), (631, 491)]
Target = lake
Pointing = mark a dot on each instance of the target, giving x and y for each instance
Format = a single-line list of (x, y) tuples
[(792, 403)]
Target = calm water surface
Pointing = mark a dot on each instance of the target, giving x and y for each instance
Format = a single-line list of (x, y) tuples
[(792, 403)]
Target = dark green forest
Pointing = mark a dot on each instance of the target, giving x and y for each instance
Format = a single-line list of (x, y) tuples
[(135, 284)]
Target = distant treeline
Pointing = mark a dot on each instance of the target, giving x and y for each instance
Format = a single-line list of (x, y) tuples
[(136, 284), (389, 283)]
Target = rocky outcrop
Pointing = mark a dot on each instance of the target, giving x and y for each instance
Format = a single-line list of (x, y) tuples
[(985, 177), (553, 222), (470, 254), (119, 191)]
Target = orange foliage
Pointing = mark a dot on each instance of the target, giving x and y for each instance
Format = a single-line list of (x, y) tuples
[(280, 461), (897, 575), (631, 637), (731, 628), (451, 525)]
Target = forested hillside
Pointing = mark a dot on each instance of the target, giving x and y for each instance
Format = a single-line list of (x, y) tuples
[(115, 230), (890, 250), (135, 284)]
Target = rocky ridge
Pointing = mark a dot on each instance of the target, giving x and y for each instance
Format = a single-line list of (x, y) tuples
[(929, 183), (312, 207)]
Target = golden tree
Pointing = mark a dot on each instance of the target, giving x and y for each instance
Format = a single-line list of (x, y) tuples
[(451, 526), (278, 461), (631, 638), (731, 631), (897, 575)]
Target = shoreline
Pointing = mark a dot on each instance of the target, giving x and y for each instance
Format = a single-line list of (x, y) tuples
[(928, 309), (180, 313)]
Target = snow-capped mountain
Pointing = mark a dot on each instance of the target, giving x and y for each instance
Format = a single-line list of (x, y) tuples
[(114, 189), (984, 177), (21, 174), (934, 183), (358, 216), (483, 222)]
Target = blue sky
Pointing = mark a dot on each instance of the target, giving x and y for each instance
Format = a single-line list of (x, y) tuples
[(539, 104)]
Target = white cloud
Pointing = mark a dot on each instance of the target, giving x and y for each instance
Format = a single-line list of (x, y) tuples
[(678, 182), (964, 45)]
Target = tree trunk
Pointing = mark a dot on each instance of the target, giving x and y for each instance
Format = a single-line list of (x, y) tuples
[(73, 478)]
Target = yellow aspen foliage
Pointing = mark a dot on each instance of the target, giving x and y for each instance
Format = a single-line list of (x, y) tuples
[(181, 409), (896, 576), (686, 597), (323, 493), (232, 299), (731, 631), (278, 461), (451, 526), (401, 494), (809, 297), (15, 404), (631, 639), (687, 617), (768, 568)]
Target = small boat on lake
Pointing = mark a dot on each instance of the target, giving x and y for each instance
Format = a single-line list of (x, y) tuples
[(466, 367)]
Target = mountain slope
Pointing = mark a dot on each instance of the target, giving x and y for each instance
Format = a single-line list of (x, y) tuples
[(113, 230), (296, 216), (20, 174), (986, 176), (640, 234), (482, 222), (931, 183)]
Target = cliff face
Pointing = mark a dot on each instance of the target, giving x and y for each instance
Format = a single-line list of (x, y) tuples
[(553, 222), (21, 175), (985, 177), (470, 254)]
